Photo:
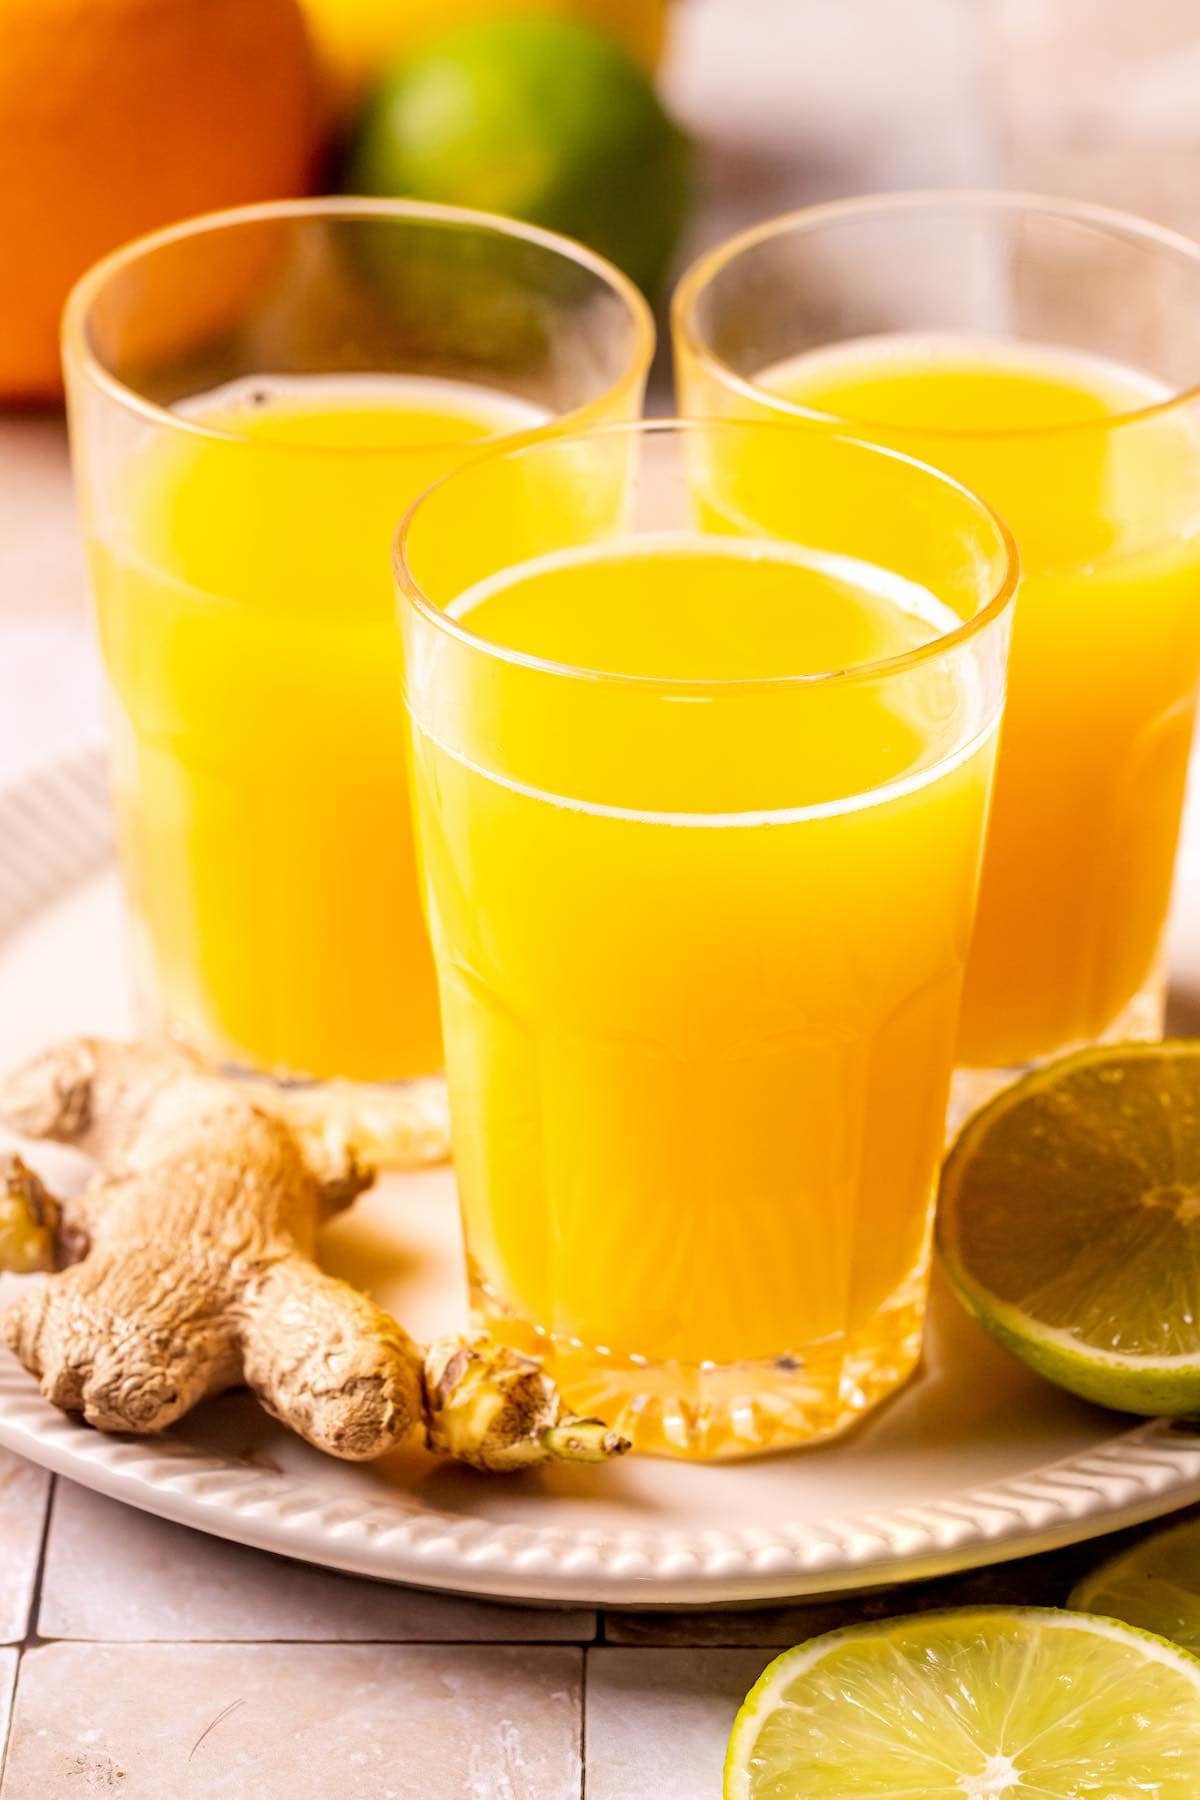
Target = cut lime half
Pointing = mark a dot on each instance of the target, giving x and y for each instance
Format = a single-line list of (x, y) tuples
[(1069, 1224), (1155, 1584), (1006, 1704)]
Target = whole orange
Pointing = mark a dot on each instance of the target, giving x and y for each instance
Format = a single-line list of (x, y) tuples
[(120, 115)]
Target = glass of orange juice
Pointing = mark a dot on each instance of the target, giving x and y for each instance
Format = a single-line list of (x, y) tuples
[(701, 768), (255, 398), (1046, 354)]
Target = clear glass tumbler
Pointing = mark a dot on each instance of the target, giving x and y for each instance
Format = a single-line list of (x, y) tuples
[(1047, 354), (255, 398), (701, 765)]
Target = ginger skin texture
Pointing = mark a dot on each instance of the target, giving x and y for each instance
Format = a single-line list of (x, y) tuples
[(185, 1267)]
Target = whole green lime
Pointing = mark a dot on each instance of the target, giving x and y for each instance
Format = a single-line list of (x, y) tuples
[(541, 119)]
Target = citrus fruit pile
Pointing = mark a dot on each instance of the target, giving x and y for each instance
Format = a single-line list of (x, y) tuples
[(116, 118)]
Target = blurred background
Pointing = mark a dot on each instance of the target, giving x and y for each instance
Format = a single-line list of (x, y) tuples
[(648, 128)]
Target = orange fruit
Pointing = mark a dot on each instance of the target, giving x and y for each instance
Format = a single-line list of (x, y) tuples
[(117, 116)]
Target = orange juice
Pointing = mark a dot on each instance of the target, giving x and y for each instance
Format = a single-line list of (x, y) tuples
[(247, 619), (1105, 508), (700, 952)]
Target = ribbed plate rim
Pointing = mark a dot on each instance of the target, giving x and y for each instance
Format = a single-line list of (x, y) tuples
[(56, 833)]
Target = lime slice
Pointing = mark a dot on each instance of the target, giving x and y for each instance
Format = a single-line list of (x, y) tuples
[(1154, 1585), (998, 1705), (1070, 1224)]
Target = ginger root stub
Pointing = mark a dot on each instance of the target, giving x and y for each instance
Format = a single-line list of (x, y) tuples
[(185, 1267)]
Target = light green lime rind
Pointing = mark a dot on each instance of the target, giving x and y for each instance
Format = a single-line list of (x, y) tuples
[(1155, 1585), (1143, 1386), (544, 119), (992, 1704), (1069, 1224)]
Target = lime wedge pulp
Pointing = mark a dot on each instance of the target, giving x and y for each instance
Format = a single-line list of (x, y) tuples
[(1005, 1704), (1069, 1223)]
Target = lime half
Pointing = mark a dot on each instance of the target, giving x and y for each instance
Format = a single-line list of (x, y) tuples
[(1155, 1584), (993, 1705), (1069, 1224)]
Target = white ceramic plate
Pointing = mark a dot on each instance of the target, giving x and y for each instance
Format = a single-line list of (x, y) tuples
[(977, 1460)]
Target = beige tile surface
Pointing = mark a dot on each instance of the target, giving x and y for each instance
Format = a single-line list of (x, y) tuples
[(657, 1721), (295, 1722), (114, 1573), (24, 1492)]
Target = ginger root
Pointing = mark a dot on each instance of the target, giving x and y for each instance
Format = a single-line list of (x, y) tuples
[(493, 1407), (30, 1220), (184, 1268)]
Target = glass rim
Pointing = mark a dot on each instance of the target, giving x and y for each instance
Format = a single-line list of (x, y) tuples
[(1113, 221), (80, 357), (994, 608)]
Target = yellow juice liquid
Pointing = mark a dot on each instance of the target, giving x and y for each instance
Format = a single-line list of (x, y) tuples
[(700, 961), (247, 617), (1102, 673)]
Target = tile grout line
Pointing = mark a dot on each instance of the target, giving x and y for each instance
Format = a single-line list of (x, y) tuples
[(34, 1642), (584, 1672), (30, 1639), (12, 1713)]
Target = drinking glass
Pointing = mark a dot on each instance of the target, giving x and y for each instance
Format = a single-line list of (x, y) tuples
[(701, 766), (255, 397), (1046, 354)]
